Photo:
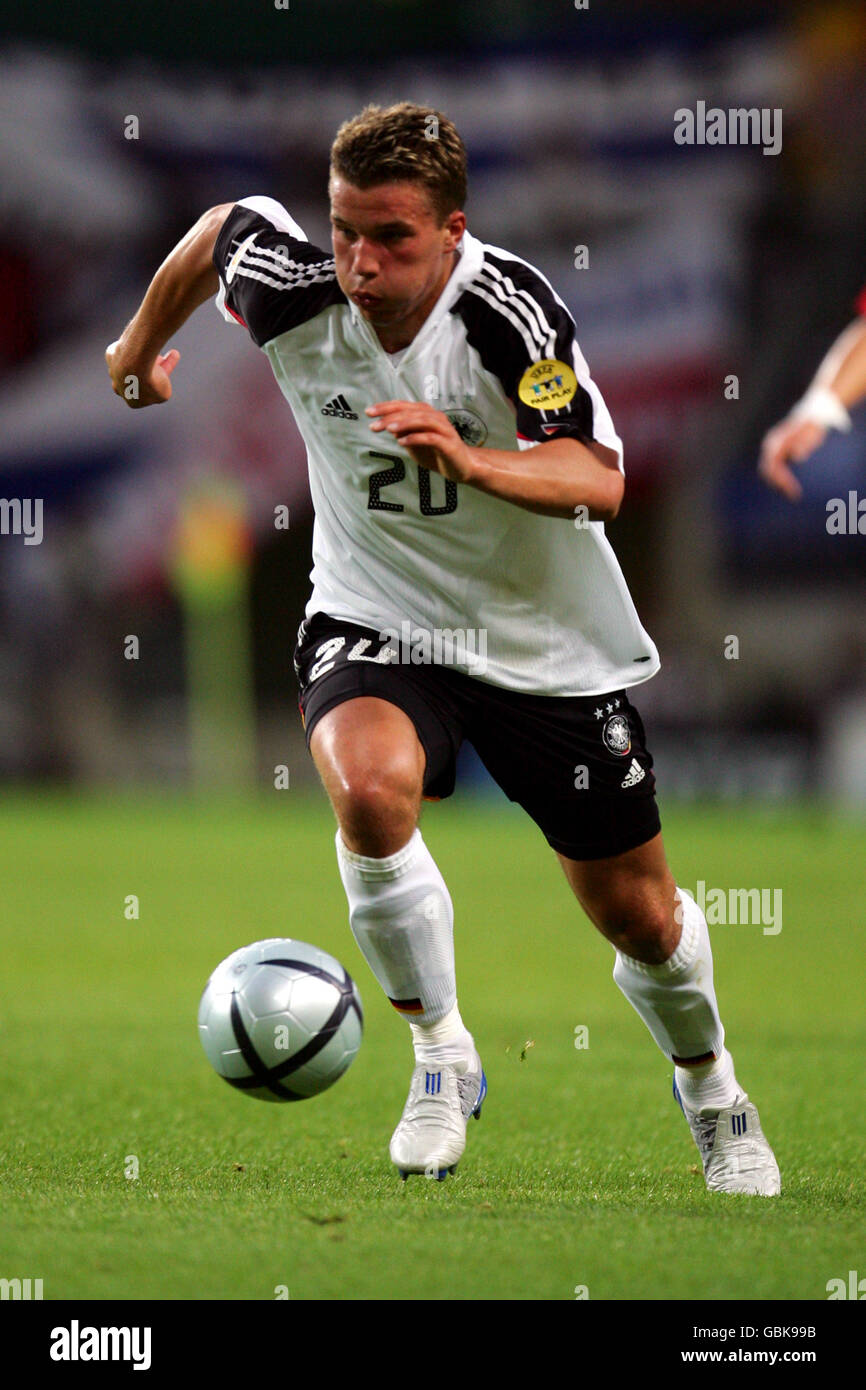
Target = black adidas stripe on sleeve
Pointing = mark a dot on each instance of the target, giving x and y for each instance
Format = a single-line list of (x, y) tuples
[(273, 281), (513, 320)]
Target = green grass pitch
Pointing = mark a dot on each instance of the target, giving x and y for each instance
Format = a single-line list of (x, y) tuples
[(581, 1172)]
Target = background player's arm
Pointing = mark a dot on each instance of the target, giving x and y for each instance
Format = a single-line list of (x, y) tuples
[(186, 278), (838, 385), (552, 478)]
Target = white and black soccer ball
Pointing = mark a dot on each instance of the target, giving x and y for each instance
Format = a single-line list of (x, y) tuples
[(280, 1020)]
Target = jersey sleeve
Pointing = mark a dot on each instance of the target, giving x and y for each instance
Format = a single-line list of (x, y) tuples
[(271, 278), (526, 336), (860, 302)]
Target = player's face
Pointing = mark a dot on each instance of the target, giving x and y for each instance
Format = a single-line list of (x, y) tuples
[(392, 257)]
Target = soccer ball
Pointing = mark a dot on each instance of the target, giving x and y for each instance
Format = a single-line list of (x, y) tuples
[(280, 1020)]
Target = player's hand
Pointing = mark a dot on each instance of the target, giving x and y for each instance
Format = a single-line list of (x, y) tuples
[(792, 441), (428, 435), (136, 386)]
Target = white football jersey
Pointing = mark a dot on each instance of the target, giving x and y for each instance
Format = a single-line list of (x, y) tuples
[(403, 550)]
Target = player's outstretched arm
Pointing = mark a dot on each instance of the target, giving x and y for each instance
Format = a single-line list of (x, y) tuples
[(557, 478), (138, 369), (839, 384), (552, 478)]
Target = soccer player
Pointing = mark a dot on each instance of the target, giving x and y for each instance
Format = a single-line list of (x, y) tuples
[(462, 466), (838, 385)]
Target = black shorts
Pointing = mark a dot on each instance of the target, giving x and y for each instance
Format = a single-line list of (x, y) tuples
[(577, 764)]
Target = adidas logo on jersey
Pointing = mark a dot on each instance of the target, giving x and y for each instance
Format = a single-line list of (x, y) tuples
[(634, 775), (339, 407)]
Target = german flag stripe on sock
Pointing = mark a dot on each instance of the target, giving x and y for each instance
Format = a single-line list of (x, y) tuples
[(408, 1006)]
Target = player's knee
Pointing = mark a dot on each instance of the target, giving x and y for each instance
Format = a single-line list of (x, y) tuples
[(378, 808), (642, 927)]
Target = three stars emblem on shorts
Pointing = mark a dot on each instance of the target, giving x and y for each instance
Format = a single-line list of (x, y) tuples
[(606, 709), (616, 732)]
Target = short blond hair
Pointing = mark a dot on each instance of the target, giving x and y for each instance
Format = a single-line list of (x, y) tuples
[(389, 144)]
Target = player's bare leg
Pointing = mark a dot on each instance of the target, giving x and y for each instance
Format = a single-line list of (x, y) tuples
[(372, 765), (664, 967), (631, 898)]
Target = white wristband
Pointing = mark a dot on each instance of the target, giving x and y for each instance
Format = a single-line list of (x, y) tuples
[(824, 407)]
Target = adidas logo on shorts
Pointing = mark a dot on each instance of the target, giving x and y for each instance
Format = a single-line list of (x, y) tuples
[(339, 407), (634, 775)]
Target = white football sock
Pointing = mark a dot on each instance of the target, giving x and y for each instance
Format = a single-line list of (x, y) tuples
[(402, 919), (676, 999), (709, 1088), (448, 1041)]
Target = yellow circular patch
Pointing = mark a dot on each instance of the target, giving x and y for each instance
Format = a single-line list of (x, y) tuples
[(547, 385)]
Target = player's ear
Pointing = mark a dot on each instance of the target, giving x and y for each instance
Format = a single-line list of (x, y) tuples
[(455, 225)]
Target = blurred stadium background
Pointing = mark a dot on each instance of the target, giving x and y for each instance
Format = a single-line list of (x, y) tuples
[(120, 127)]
